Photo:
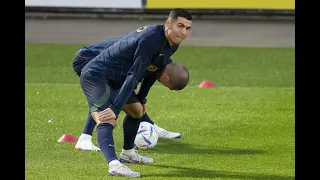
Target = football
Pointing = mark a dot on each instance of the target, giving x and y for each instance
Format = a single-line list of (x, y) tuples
[(146, 137)]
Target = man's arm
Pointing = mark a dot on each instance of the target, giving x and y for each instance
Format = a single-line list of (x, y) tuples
[(148, 81), (144, 53), (146, 84)]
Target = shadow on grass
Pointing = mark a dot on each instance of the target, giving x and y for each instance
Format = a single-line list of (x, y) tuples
[(211, 174), (174, 146)]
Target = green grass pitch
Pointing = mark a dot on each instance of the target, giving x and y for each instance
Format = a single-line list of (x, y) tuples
[(242, 129)]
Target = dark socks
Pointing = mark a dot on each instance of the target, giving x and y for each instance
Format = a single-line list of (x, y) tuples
[(106, 142), (89, 126), (130, 128), (146, 118), (105, 134)]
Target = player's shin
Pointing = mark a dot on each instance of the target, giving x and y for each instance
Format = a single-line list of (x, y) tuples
[(85, 140), (106, 142), (89, 126), (146, 118), (130, 128)]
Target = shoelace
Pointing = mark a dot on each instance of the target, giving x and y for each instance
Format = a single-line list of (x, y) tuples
[(141, 158), (125, 169), (137, 155)]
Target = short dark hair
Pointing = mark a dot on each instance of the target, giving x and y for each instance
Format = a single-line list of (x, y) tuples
[(179, 12), (179, 75)]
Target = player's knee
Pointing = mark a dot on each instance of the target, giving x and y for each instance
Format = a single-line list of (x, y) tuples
[(135, 113), (134, 110), (95, 116)]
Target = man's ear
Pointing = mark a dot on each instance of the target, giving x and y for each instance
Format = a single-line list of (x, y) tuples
[(168, 22), (166, 76)]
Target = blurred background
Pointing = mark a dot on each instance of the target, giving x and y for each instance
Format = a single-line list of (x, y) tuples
[(216, 23)]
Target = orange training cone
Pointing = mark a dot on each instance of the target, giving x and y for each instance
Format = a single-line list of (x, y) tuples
[(207, 84), (67, 138)]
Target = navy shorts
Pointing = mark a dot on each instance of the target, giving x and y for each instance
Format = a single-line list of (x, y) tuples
[(81, 58), (99, 94), (97, 91)]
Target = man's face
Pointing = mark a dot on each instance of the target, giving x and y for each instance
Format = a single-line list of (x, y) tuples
[(178, 29)]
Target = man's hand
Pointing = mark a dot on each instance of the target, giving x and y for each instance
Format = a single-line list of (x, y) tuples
[(108, 116)]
